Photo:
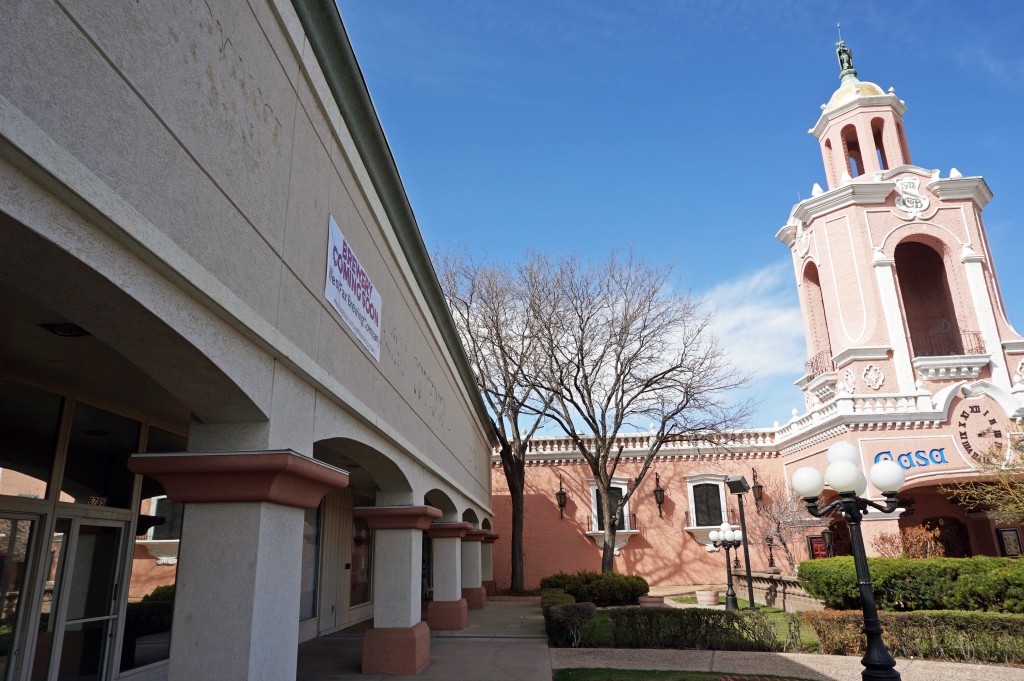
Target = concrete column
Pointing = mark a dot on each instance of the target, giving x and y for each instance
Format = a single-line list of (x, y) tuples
[(237, 594), (487, 564), (448, 609), (891, 311), (472, 588), (399, 643)]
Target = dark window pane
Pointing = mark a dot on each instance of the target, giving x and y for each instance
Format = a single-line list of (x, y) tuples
[(16, 536), (362, 562), (92, 583), (310, 558), (616, 497), (29, 422), (707, 501), (96, 471), (159, 441)]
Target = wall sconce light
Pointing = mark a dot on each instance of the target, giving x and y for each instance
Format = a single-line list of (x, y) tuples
[(659, 493), (757, 489), (560, 498), (827, 535)]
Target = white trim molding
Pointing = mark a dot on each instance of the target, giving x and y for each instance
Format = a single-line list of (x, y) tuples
[(874, 352), (973, 188), (951, 367)]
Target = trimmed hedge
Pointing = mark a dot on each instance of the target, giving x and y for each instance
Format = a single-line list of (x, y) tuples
[(600, 588), (905, 584), (694, 628), (945, 634), (566, 622)]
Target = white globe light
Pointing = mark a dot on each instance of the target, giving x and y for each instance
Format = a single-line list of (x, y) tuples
[(713, 535), (843, 451), (724, 527), (738, 535), (842, 476), (862, 485), (728, 535), (807, 482), (888, 476)]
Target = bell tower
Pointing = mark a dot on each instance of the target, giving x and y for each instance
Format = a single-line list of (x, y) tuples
[(897, 289)]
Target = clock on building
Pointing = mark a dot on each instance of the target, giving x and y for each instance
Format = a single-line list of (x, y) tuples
[(981, 428)]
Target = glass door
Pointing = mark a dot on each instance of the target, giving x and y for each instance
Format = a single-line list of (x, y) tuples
[(16, 535), (78, 614)]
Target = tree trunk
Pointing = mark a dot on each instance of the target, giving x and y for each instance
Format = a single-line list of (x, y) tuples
[(611, 523), (516, 485)]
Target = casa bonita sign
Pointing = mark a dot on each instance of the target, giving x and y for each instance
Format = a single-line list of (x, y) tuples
[(918, 459), (350, 291), (918, 456)]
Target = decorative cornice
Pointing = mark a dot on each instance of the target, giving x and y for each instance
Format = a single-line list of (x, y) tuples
[(277, 476), (787, 235), (448, 530), (828, 115), (973, 188), (398, 517), (874, 352), (1014, 347), (853, 194), (952, 367), (476, 535)]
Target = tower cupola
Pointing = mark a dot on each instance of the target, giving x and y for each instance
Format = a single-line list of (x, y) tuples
[(861, 127)]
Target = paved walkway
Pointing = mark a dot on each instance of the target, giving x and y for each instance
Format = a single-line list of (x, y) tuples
[(505, 642)]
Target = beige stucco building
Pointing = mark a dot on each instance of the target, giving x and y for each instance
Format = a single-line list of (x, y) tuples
[(213, 292)]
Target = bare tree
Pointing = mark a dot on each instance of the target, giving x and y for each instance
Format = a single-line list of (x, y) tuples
[(782, 515), (998, 484), (622, 352), (490, 309)]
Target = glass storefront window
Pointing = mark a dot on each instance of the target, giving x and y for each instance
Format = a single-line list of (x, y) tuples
[(96, 471), (16, 536), (362, 554), (150, 611), (310, 558), (29, 424)]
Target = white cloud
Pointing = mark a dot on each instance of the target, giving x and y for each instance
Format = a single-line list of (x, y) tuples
[(758, 322)]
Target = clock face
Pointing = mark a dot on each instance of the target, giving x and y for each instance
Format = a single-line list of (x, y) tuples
[(981, 429)]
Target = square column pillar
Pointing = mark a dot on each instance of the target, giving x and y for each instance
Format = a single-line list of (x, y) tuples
[(487, 564), (449, 609), (237, 596), (399, 642), (472, 588)]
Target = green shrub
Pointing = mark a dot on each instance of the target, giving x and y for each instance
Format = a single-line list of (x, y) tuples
[(602, 589), (920, 583), (567, 622), (548, 601), (693, 628), (161, 593), (945, 634)]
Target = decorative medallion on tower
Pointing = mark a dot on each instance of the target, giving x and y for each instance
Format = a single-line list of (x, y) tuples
[(909, 199), (873, 377)]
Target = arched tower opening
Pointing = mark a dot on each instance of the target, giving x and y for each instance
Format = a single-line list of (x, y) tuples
[(877, 133), (819, 346), (851, 149), (927, 303)]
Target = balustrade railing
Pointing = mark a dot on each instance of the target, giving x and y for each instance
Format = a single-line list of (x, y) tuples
[(946, 343), (819, 364)]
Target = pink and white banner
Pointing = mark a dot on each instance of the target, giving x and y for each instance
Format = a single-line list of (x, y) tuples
[(350, 291)]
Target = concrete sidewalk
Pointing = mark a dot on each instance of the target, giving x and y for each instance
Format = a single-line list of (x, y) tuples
[(505, 642)]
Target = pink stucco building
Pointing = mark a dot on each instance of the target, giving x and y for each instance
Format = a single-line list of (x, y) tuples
[(910, 357)]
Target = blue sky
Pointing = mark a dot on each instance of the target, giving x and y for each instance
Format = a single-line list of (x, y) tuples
[(680, 128)]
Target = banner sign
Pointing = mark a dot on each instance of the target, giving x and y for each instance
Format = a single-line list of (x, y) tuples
[(350, 291)]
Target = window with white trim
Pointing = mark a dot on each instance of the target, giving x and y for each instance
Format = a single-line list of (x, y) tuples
[(618, 490), (706, 493)]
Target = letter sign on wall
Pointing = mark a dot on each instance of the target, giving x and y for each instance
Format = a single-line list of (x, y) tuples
[(350, 291)]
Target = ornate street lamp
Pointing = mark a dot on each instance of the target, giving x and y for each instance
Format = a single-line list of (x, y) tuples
[(560, 498), (845, 477), (659, 493), (770, 543), (726, 537), (737, 484), (827, 535)]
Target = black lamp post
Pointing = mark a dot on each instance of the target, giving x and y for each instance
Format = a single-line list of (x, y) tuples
[(771, 556), (844, 476), (560, 498), (659, 493), (737, 484), (725, 537)]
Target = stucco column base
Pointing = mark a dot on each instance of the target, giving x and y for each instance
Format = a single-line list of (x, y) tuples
[(475, 597), (448, 615), (490, 587), (399, 650)]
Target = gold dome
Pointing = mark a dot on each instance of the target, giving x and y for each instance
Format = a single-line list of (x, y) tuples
[(851, 90)]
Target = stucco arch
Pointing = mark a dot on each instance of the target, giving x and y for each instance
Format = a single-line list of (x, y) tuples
[(470, 516), (440, 500), (368, 469), (131, 310), (485, 524)]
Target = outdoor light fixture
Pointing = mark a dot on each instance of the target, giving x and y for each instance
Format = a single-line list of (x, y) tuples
[(845, 477), (560, 498), (757, 489), (737, 484), (827, 535), (727, 538), (770, 543), (659, 493)]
